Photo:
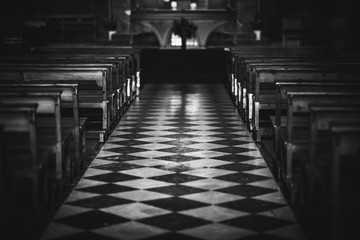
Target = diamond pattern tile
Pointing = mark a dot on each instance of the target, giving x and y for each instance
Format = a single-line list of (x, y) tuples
[(180, 165)]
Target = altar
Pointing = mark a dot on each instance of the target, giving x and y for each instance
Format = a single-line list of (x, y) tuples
[(159, 21)]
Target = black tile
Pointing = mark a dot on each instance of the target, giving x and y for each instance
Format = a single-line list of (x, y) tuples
[(240, 167), (102, 201), (174, 221), (129, 142), (247, 190), (176, 204), (226, 135), (84, 236), (92, 220), (117, 166), (172, 236), (251, 205), (119, 157), (257, 223), (180, 125), (180, 129), (113, 177), (177, 178), (263, 236), (222, 124), (106, 189), (179, 136), (176, 169), (230, 142), (180, 149), (178, 158), (235, 158), (126, 150), (131, 135), (177, 190), (231, 149), (241, 177), (183, 142)]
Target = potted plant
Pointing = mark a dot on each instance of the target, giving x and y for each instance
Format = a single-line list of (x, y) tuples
[(185, 29), (257, 24)]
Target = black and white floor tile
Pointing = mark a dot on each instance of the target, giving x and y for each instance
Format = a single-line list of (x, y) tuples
[(180, 165)]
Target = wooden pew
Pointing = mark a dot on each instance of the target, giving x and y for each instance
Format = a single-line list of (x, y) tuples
[(243, 57), (122, 74), (344, 196), (261, 90), (294, 146), (22, 159), (93, 90), (321, 118), (70, 101), (279, 121), (113, 74), (54, 132)]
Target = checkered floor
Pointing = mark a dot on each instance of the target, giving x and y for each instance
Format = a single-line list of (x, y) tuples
[(180, 165)]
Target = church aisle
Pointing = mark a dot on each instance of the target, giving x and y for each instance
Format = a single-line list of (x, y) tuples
[(180, 165)]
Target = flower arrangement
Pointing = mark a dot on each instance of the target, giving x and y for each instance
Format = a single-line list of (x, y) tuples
[(185, 29)]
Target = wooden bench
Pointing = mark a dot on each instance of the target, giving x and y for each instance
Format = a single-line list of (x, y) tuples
[(120, 69), (243, 57), (321, 118), (70, 101), (344, 197), (111, 68), (261, 92), (22, 160), (294, 147), (93, 90), (279, 120), (54, 132)]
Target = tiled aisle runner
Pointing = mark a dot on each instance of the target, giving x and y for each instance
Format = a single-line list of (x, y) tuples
[(180, 165)]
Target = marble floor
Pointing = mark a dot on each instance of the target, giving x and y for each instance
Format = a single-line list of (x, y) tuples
[(180, 165)]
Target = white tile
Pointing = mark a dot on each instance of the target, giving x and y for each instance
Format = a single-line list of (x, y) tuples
[(135, 211), (154, 162), (83, 182), (204, 139), (293, 232), (205, 146), (155, 139), (58, 230), (66, 210), (214, 213), (208, 172), (154, 146), (130, 231), (144, 183), (76, 195), (217, 231), (99, 162), (93, 172), (282, 213), (209, 184), (261, 171), (275, 197), (140, 195), (146, 172), (152, 154), (205, 154), (205, 163), (269, 183), (212, 197)]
